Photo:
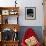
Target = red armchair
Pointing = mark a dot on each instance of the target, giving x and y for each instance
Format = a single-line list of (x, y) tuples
[(30, 34)]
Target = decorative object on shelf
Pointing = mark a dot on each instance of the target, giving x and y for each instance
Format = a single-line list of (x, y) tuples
[(13, 12), (6, 21), (7, 34), (30, 13), (15, 37), (15, 3), (5, 12)]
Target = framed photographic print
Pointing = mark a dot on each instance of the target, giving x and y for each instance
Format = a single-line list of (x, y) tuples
[(30, 13), (5, 12)]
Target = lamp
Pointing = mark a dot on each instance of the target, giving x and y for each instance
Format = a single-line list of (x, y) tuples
[(15, 30), (15, 35)]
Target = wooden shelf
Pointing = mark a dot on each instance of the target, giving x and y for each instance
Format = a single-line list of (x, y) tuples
[(4, 13), (8, 11), (9, 43), (11, 26), (3, 8)]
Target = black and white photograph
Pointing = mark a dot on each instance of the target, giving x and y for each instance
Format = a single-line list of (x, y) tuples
[(30, 13)]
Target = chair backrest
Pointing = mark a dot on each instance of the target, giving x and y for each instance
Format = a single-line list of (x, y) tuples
[(29, 33)]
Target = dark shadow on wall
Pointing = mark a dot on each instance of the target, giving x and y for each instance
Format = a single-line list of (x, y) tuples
[(37, 29)]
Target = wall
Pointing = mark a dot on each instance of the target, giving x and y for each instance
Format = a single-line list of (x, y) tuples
[(27, 3), (39, 12)]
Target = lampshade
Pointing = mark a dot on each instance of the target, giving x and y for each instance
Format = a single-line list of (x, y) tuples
[(15, 30)]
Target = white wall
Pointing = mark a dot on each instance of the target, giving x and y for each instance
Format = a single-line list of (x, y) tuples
[(39, 12), (27, 3)]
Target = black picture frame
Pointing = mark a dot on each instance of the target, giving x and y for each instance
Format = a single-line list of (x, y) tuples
[(30, 13)]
